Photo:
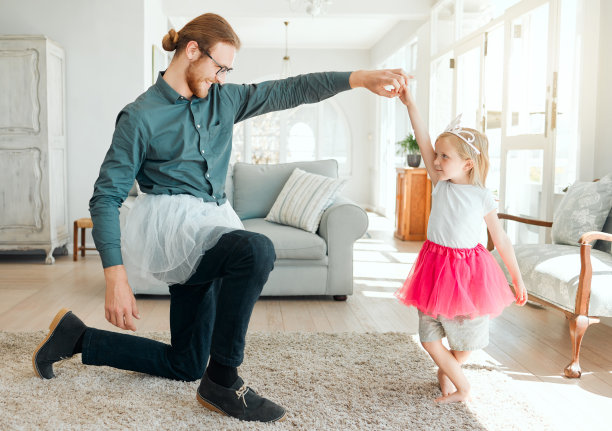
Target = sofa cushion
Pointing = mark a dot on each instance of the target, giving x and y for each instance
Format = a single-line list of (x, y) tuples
[(229, 185), (584, 208), (257, 186), (605, 245), (303, 199), (289, 242), (551, 271)]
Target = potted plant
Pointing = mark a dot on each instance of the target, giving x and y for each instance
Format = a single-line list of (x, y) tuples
[(410, 148)]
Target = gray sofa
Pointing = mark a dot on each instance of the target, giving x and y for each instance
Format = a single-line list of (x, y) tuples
[(307, 264)]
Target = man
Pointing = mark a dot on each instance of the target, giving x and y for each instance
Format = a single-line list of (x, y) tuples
[(175, 139)]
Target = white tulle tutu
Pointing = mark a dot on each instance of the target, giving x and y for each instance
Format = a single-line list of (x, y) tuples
[(166, 236)]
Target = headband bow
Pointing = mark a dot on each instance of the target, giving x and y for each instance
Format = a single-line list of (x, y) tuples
[(465, 135)]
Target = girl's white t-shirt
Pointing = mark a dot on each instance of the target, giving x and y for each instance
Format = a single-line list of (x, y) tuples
[(457, 213)]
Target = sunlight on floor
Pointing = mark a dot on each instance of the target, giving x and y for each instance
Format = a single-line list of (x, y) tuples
[(379, 223), (382, 262), (379, 283), (404, 257), (370, 256), (372, 294), (373, 244)]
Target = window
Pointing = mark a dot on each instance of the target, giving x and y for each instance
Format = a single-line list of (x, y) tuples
[(527, 93), (308, 132), (394, 125)]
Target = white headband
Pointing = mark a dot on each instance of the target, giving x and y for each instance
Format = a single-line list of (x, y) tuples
[(455, 129)]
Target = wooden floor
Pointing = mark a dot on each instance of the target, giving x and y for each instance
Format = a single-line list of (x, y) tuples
[(530, 343)]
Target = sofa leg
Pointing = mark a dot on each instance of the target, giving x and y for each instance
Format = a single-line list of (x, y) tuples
[(340, 297), (577, 326)]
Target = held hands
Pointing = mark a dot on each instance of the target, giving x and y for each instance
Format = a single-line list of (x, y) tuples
[(387, 82), (120, 304), (521, 292), (406, 96)]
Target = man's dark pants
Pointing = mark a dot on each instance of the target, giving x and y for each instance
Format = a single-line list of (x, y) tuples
[(209, 315)]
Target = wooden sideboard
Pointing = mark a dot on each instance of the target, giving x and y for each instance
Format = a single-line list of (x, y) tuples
[(412, 204)]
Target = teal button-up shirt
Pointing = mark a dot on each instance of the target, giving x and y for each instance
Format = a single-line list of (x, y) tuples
[(173, 145)]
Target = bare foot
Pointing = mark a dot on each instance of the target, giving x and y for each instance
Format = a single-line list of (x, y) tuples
[(455, 397), (446, 386)]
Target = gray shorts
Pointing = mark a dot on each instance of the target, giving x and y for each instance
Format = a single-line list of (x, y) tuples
[(461, 332)]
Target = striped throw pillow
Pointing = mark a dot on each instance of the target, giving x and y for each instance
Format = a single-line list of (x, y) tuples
[(303, 199)]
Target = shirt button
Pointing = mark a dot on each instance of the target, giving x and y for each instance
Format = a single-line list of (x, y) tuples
[(198, 126), (207, 175), (202, 151)]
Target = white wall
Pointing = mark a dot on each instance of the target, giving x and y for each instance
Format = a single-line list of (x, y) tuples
[(103, 42), (108, 64), (155, 27), (423, 70), (603, 134), (251, 65), (393, 40)]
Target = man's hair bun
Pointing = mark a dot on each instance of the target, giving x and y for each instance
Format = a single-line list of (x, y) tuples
[(170, 40)]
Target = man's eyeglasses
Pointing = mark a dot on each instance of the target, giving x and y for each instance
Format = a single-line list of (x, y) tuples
[(222, 69)]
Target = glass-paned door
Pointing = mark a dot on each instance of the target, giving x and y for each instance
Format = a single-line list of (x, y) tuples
[(441, 94), (564, 115), (468, 71), (386, 187), (526, 144), (493, 91)]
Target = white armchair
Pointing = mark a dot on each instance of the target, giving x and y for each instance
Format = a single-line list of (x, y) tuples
[(573, 276)]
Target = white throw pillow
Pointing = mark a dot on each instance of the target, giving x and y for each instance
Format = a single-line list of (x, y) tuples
[(584, 208), (303, 199)]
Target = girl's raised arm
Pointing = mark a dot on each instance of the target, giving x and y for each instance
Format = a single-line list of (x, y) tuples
[(420, 133)]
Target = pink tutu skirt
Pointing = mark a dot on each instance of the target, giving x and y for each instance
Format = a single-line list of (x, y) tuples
[(452, 282)]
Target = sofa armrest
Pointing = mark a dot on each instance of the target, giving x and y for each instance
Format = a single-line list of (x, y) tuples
[(592, 236), (342, 224), (530, 221), (343, 218), (525, 220), (586, 270)]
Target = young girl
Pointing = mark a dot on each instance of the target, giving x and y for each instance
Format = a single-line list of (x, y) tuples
[(455, 282)]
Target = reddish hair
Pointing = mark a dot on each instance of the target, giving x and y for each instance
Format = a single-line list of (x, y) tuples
[(207, 30)]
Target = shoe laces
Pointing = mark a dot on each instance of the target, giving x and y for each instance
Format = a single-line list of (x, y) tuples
[(242, 392)]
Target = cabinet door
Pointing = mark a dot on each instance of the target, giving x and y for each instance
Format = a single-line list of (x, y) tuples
[(22, 208), (20, 192)]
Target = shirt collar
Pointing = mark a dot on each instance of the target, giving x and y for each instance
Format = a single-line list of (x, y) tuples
[(169, 93)]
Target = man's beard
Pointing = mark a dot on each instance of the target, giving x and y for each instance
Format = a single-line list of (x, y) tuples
[(196, 82)]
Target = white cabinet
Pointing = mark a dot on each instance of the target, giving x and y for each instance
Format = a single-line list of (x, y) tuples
[(33, 207)]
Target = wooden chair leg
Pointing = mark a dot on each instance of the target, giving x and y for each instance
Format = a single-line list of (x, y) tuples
[(577, 326), (76, 242), (82, 242)]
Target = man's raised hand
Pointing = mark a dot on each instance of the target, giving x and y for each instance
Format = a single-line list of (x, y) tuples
[(386, 82)]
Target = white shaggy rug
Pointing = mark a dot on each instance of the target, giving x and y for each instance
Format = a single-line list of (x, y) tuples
[(326, 382)]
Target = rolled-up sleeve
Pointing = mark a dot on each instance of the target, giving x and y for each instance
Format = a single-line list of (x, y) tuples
[(117, 174)]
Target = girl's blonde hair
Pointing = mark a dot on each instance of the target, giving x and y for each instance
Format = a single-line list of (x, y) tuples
[(206, 30), (478, 174)]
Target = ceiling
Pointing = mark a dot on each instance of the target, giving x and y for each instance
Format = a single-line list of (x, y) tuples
[(346, 24)]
